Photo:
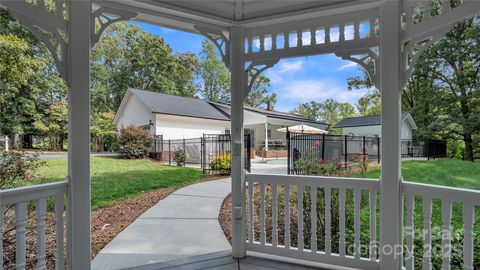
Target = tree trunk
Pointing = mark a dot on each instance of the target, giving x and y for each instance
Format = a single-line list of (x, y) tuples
[(467, 138)]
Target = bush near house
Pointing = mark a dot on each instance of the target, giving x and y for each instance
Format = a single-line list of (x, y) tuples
[(180, 157), (222, 163), (134, 142)]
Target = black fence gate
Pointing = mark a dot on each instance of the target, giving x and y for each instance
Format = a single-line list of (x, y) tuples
[(330, 148), (424, 149), (199, 151)]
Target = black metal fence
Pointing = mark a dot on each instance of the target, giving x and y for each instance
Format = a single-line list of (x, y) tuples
[(199, 151), (424, 149), (352, 149), (330, 148)]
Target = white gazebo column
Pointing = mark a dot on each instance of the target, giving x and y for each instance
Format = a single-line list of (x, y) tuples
[(390, 84), (237, 69), (266, 136), (79, 135)]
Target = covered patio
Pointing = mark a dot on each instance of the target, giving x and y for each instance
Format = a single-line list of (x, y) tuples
[(386, 37)]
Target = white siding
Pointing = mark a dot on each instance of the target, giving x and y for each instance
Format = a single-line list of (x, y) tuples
[(181, 127), (371, 131), (135, 113)]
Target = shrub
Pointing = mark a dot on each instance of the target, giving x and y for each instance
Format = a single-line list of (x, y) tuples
[(222, 163), (134, 142), (180, 156), (310, 165), (16, 168)]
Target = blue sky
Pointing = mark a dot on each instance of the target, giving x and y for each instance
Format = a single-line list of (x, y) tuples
[(294, 80)]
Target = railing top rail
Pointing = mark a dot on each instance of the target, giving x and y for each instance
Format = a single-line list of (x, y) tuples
[(27, 193), (451, 194), (335, 182)]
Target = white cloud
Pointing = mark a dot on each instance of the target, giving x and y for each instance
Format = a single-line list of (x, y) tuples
[(347, 66), (318, 90), (284, 68)]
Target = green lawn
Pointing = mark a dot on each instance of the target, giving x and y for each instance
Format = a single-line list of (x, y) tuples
[(115, 179), (445, 172)]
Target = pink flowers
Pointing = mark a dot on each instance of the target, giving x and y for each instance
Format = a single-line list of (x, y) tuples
[(317, 143), (339, 164), (321, 161)]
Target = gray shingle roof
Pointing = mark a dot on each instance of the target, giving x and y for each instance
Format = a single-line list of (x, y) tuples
[(194, 107), (373, 120), (177, 105)]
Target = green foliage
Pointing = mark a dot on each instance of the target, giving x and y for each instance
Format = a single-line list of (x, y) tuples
[(53, 124), (115, 179), (134, 142), (330, 111), (309, 164), (103, 131), (17, 168), (222, 163), (180, 156)]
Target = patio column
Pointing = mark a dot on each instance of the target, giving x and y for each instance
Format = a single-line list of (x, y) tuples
[(237, 69), (79, 135), (266, 136), (391, 178)]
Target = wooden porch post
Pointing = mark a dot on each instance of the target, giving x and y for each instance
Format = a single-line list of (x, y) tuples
[(237, 63), (390, 84), (79, 135)]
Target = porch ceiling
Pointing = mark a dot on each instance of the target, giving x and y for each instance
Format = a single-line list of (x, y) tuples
[(221, 14)]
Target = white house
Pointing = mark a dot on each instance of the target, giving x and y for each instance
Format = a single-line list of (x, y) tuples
[(371, 126), (176, 117)]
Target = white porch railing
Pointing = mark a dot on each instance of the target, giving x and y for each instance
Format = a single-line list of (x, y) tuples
[(463, 200), (318, 193), (19, 199)]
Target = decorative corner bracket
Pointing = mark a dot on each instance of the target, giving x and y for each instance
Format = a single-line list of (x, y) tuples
[(254, 70), (50, 27), (367, 59), (413, 49), (106, 16), (219, 40)]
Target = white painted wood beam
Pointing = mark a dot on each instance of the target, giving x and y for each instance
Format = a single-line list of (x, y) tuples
[(391, 178), (237, 69), (79, 248)]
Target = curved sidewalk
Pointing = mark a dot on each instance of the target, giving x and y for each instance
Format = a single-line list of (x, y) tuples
[(183, 224)]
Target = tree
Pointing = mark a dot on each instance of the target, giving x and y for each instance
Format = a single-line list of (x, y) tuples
[(103, 131), (330, 111), (370, 104), (215, 85), (53, 123), (259, 96), (443, 92)]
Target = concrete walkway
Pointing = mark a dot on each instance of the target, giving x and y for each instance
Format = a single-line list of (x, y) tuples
[(183, 224)]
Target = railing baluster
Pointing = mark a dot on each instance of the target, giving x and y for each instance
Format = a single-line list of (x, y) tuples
[(356, 30), (427, 229), (59, 210), (300, 217), (327, 34), (299, 38), (287, 216), (328, 221), (410, 231), (341, 209), (372, 28), (274, 216), (313, 216), (2, 211), (341, 30), (373, 225), (262, 43), (446, 234), (251, 228), (313, 36), (357, 199), (262, 213), (286, 40), (250, 45), (274, 41), (41, 208), (20, 217), (468, 219)]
